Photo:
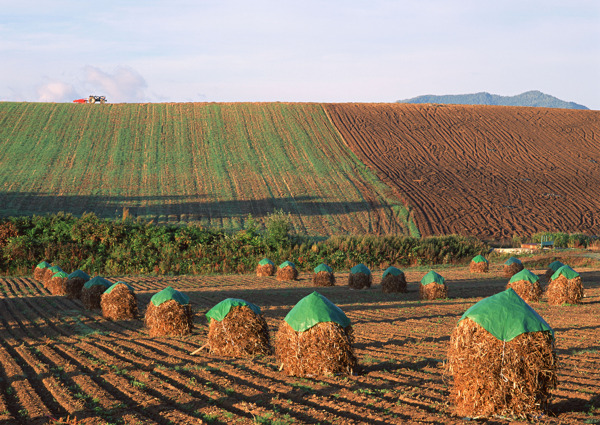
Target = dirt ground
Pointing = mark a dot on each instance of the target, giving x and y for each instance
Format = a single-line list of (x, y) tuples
[(488, 171), (61, 361)]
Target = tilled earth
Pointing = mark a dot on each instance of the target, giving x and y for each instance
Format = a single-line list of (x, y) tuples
[(61, 363)]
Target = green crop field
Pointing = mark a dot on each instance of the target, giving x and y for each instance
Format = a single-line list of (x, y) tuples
[(207, 163)]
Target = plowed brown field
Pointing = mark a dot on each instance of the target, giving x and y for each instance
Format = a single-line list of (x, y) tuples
[(58, 360), (489, 171)]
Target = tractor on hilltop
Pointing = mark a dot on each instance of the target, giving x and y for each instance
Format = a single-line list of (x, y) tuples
[(92, 99)]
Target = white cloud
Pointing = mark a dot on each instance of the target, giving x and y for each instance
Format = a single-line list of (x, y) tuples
[(123, 85), (56, 91)]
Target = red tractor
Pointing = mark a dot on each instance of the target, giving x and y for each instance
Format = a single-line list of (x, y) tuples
[(92, 99)]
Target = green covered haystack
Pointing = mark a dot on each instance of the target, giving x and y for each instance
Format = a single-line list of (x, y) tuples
[(119, 302), (92, 291), (75, 284), (169, 313), (57, 285), (565, 287), (433, 286), (511, 266), (40, 270), (393, 280), (265, 268), (526, 285), (287, 271), (360, 277), (479, 264), (323, 276)]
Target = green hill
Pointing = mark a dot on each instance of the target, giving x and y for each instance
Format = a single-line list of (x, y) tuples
[(531, 98), (208, 163)]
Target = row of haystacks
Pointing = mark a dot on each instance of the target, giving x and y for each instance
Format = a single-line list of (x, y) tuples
[(564, 287), (314, 339)]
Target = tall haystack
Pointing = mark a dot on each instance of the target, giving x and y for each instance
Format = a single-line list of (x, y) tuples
[(237, 328), (552, 268), (75, 284), (57, 285), (323, 276), (265, 268), (287, 271), (479, 264), (315, 339), (433, 287), (40, 270), (511, 266), (118, 302), (502, 359), (48, 273), (360, 277), (565, 287), (393, 280), (526, 285), (169, 313), (92, 291)]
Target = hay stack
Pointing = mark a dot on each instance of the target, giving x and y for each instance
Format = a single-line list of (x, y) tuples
[(169, 313), (48, 273), (502, 359), (393, 280), (323, 276), (552, 268), (479, 264), (40, 270), (57, 285), (565, 287), (287, 271), (360, 277), (265, 268), (315, 339), (118, 302), (433, 287), (75, 284), (92, 291), (237, 328), (511, 266), (526, 285)]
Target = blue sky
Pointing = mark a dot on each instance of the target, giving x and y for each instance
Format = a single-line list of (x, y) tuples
[(297, 51)]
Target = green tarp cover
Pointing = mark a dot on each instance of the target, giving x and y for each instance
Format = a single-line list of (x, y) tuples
[(221, 310), (56, 269), (566, 271), (98, 280), (512, 260), (479, 259), (286, 264), (525, 275), (80, 274), (60, 274), (314, 309), (323, 268), (114, 285), (168, 294), (433, 277), (393, 271), (43, 265), (360, 268), (506, 316), (265, 261), (555, 265)]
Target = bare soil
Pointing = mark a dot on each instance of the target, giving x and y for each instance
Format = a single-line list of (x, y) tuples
[(488, 171), (59, 360)]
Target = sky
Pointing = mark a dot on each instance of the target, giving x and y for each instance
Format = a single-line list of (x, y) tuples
[(297, 51)]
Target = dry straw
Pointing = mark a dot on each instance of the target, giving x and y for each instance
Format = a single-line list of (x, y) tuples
[(565, 287), (48, 273), (526, 285), (287, 271), (169, 319), (241, 332), (512, 266), (433, 287), (119, 302), (360, 277), (393, 280), (479, 265), (265, 268), (323, 276), (58, 284), (40, 270)]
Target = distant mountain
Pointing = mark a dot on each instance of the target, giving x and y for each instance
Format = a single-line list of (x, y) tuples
[(529, 98)]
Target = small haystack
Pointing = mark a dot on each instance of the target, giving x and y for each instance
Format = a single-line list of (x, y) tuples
[(287, 271), (315, 339), (237, 328), (118, 302), (169, 313), (502, 359), (75, 284), (265, 268), (40, 270), (360, 277), (48, 273), (479, 264), (57, 285), (552, 268), (565, 287), (393, 280), (526, 285), (511, 266), (323, 276), (433, 287), (92, 291)]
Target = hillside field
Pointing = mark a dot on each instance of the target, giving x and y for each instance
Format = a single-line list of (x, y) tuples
[(59, 360), (207, 163)]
